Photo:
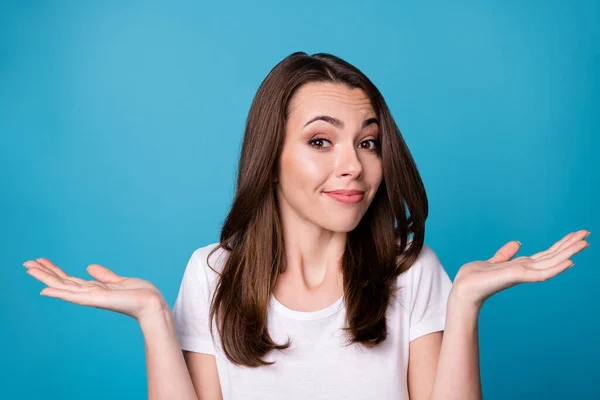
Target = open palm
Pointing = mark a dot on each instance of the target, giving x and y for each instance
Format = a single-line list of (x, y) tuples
[(129, 296), (479, 280)]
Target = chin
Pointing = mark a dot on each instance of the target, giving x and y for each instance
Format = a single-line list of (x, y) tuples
[(339, 226)]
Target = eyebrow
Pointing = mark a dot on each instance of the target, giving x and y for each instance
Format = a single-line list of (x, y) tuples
[(339, 124)]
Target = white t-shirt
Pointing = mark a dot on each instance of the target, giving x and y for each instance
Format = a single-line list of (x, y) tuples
[(317, 365)]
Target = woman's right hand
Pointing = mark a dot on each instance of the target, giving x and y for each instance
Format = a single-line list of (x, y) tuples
[(130, 296)]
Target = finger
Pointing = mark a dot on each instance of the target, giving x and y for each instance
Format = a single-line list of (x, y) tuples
[(82, 298), (554, 247), (576, 237), (50, 265), (562, 244), (34, 264), (53, 281), (561, 241), (540, 275), (103, 274), (506, 252), (43, 267), (77, 280), (557, 257), (102, 300)]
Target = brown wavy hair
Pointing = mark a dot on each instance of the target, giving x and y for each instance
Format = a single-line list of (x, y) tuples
[(377, 250)]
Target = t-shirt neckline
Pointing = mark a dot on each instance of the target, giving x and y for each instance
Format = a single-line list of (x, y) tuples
[(307, 315)]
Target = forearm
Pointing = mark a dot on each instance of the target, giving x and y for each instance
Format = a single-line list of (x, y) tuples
[(457, 375), (168, 376)]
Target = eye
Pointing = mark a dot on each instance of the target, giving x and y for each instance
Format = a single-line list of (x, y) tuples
[(375, 144), (318, 143)]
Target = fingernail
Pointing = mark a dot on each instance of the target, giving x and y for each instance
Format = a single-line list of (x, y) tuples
[(588, 234), (517, 241)]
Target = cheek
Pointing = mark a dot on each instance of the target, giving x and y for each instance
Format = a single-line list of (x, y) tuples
[(304, 168), (373, 171), (379, 173)]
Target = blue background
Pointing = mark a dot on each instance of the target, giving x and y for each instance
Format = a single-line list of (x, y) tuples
[(121, 125)]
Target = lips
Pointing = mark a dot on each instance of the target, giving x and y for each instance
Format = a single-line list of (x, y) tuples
[(347, 192), (346, 196)]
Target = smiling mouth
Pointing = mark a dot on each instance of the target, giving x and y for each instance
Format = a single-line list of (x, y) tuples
[(346, 198)]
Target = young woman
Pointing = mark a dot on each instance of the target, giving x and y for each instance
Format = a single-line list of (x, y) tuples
[(321, 286)]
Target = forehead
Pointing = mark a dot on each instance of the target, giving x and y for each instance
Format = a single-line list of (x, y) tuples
[(330, 99)]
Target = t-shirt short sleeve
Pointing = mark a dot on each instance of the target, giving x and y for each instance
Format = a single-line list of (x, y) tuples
[(191, 309), (431, 286)]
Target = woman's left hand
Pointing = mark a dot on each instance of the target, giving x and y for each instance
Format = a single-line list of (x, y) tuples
[(477, 281)]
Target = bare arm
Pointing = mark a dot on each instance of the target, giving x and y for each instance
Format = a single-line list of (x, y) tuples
[(457, 372), (445, 364), (424, 353), (173, 374), (167, 365), (168, 376), (457, 375), (203, 370)]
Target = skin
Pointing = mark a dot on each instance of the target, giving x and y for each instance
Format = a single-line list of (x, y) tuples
[(456, 363), (442, 365), (315, 158)]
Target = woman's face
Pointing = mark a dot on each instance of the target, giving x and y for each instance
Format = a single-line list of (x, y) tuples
[(331, 143)]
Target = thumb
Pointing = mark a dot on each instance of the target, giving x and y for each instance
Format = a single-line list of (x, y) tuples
[(506, 252), (103, 274)]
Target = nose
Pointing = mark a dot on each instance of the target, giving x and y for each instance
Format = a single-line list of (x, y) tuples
[(348, 163)]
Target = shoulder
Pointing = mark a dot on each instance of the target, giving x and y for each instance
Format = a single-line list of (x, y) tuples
[(207, 262), (427, 262), (425, 275)]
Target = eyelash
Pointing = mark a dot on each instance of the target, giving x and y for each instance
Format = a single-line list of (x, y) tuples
[(376, 141)]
